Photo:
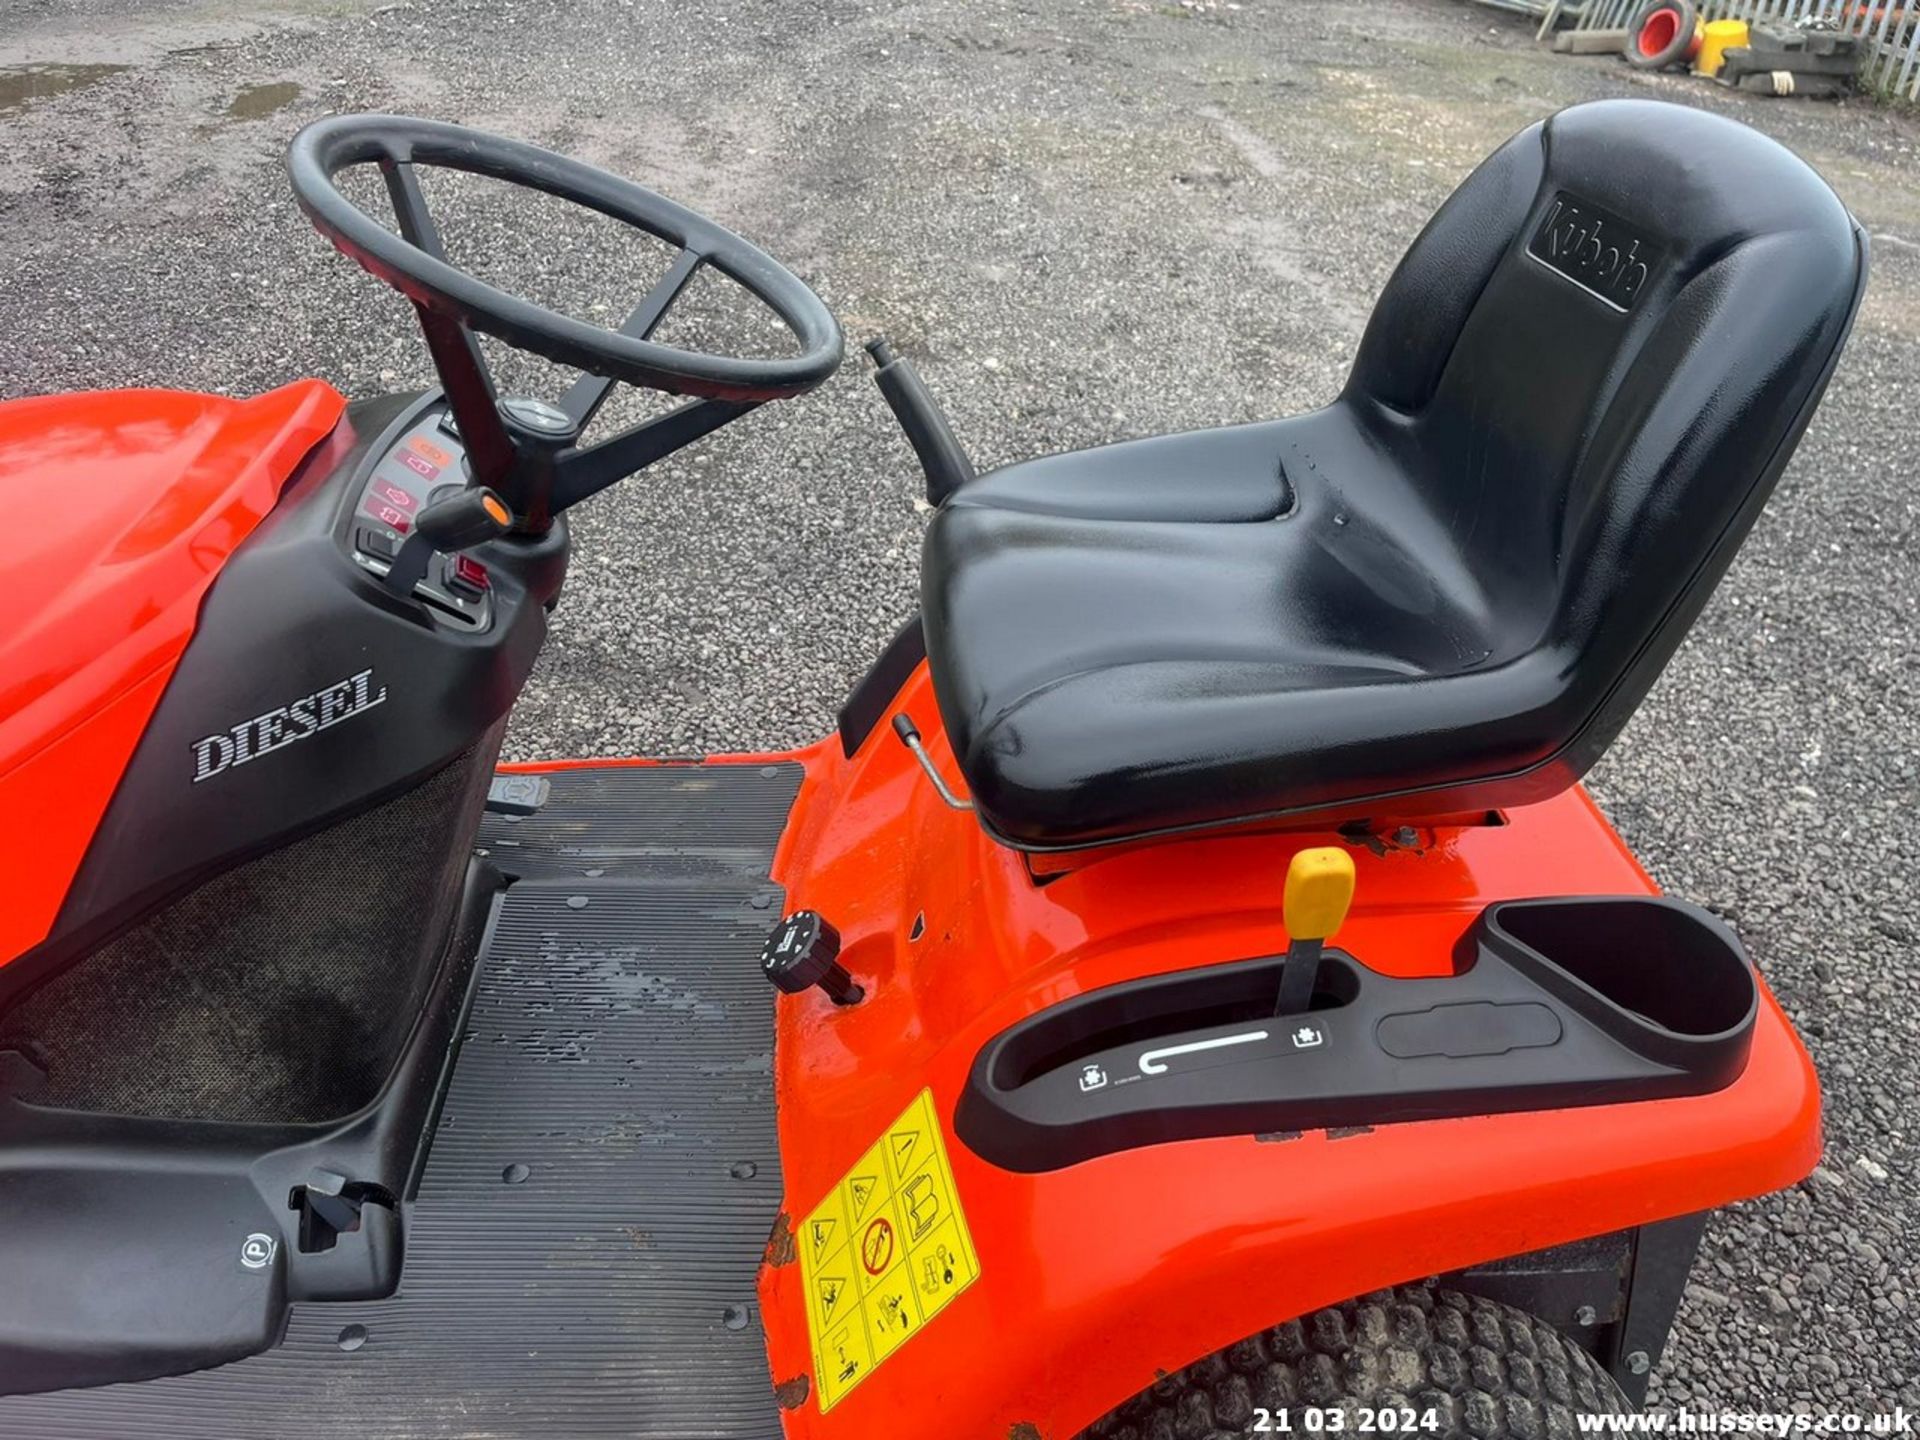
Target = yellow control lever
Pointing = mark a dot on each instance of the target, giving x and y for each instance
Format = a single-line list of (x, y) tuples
[(1319, 890)]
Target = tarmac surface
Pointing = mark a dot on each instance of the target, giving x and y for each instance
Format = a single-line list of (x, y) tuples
[(1086, 220)]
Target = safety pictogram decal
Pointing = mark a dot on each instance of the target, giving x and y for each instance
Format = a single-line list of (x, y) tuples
[(884, 1252)]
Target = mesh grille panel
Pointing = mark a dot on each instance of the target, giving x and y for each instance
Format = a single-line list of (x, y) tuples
[(280, 991)]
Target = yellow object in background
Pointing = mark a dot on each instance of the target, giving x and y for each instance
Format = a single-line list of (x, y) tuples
[(1717, 37), (1319, 889)]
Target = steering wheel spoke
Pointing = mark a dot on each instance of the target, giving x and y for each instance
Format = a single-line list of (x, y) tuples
[(585, 472), (457, 359), (470, 391), (410, 207), (585, 396)]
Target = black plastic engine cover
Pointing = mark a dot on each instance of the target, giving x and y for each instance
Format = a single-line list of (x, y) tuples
[(307, 693)]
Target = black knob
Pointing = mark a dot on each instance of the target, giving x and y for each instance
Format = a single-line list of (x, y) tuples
[(803, 951), (464, 517)]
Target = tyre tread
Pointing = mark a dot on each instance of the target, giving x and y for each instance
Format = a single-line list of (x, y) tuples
[(1491, 1372)]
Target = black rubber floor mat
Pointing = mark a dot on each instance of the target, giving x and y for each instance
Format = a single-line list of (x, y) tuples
[(648, 820), (582, 1253)]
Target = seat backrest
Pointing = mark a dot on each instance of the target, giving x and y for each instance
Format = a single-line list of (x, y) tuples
[(1598, 357)]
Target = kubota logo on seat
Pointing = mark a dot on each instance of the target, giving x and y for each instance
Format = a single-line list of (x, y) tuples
[(300, 719), (1598, 251)]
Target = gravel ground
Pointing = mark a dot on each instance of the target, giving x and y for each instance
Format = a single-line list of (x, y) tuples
[(1088, 219)]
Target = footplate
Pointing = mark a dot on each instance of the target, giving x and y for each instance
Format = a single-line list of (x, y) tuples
[(582, 1247)]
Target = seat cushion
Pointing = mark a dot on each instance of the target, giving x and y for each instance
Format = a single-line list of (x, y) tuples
[(1167, 633)]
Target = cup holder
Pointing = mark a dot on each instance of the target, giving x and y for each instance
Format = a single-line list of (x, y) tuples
[(1556, 1003), (1659, 974)]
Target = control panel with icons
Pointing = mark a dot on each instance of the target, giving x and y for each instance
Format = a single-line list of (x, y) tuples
[(424, 465)]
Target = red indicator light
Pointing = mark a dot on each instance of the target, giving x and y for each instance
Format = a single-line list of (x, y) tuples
[(388, 516), (470, 572), (388, 494), (420, 466), (429, 451)]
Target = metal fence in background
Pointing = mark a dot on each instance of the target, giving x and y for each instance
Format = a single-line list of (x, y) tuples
[(1889, 30)]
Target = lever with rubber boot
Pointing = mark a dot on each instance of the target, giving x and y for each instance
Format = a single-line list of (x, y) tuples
[(946, 464)]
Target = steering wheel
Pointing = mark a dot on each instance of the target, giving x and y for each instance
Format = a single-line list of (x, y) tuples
[(528, 450)]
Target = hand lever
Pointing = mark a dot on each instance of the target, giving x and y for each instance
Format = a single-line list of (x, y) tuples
[(1319, 889), (945, 463), (471, 517)]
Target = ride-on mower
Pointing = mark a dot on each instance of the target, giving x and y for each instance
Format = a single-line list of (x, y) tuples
[(1190, 994)]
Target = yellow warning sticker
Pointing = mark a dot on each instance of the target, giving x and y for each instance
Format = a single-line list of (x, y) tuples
[(884, 1252)]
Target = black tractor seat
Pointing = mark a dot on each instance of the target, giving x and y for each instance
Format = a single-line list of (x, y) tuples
[(1449, 589)]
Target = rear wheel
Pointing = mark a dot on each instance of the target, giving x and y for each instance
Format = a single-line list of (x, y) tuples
[(1449, 1364)]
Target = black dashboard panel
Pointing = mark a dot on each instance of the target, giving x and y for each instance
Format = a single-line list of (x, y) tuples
[(425, 462)]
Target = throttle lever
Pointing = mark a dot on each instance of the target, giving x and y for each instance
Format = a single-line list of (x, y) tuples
[(941, 456), (467, 518), (1319, 890)]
